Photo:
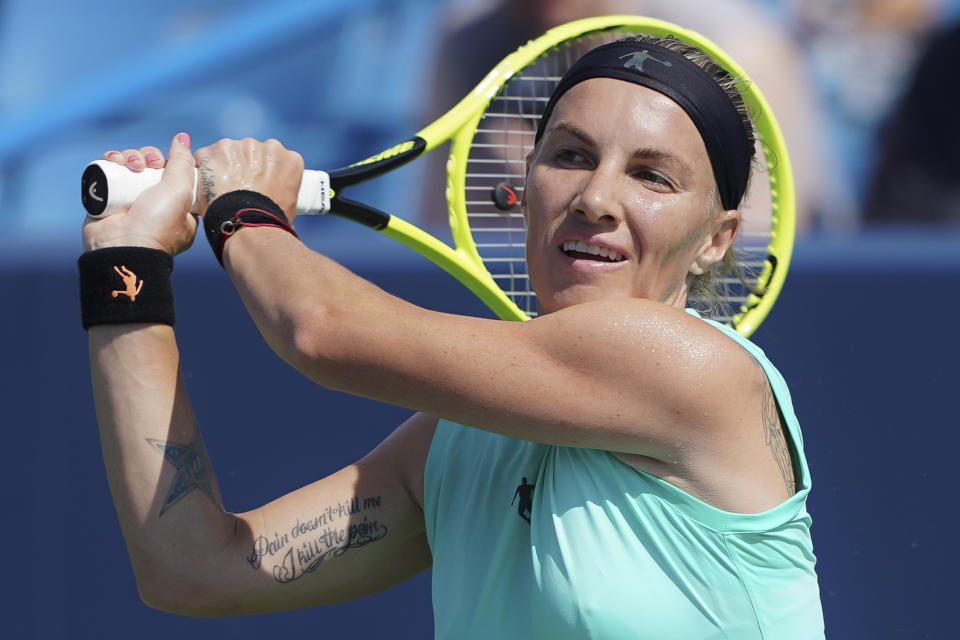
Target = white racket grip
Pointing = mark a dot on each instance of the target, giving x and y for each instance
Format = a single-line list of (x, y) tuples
[(314, 194), (107, 187)]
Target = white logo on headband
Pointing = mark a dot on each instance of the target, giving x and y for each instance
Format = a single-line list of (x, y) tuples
[(637, 59)]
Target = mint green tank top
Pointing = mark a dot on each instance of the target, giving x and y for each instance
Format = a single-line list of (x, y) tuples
[(599, 549)]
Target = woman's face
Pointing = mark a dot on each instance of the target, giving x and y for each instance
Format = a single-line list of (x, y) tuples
[(620, 199)]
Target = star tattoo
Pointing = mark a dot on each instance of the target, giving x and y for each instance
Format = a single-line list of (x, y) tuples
[(193, 469)]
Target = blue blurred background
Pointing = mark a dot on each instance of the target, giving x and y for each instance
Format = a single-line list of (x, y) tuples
[(864, 331)]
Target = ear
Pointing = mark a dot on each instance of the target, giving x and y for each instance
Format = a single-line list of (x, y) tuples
[(722, 232)]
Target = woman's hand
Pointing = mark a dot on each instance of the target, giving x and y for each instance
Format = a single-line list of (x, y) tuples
[(159, 218), (265, 167)]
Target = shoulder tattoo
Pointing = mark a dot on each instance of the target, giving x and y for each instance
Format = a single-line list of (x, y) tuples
[(775, 439)]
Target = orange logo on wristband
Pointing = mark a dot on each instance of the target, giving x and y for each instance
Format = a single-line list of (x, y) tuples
[(130, 280)]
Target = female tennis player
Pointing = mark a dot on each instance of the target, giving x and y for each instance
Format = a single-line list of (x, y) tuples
[(656, 455)]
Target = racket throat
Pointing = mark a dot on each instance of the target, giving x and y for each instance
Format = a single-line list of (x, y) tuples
[(361, 213)]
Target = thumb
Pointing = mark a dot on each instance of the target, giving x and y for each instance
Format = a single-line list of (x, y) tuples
[(180, 169)]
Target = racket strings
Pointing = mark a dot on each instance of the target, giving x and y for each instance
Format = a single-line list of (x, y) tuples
[(497, 158)]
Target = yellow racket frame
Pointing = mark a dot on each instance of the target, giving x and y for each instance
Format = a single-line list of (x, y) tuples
[(459, 126)]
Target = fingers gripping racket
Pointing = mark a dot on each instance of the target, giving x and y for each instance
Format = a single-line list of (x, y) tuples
[(491, 132)]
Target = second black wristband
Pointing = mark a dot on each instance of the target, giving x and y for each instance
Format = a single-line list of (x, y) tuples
[(237, 209)]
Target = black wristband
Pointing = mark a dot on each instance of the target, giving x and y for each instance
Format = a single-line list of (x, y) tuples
[(125, 284), (237, 209)]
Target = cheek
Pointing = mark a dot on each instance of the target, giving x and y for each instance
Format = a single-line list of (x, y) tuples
[(650, 211), (536, 204), (671, 220)]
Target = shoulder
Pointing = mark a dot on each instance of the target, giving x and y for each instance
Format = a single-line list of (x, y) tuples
[(668, 374), (641, 332)]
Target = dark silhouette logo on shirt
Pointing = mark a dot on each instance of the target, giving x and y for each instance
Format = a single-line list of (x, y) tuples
[(525, 492)]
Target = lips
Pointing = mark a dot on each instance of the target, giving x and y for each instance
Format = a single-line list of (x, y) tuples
[(580, 250)]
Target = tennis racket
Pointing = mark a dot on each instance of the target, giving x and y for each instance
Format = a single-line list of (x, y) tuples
[(491, 132)]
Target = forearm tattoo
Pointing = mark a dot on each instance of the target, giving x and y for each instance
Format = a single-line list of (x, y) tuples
[(309, 542), (775, 439), (193, 470)]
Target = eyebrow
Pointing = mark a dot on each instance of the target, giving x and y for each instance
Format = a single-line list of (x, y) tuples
[(645, 153), (661, 155)]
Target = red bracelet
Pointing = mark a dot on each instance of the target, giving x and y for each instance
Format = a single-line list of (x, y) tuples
[(238, 209)]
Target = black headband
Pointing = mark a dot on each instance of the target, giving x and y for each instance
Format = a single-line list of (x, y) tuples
[(681, 80)]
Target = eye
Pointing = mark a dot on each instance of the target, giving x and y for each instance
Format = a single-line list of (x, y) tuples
[(646, 175), (571, 157)]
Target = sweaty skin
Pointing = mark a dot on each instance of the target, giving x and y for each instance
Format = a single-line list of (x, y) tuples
[(640, 185), (620, 366)]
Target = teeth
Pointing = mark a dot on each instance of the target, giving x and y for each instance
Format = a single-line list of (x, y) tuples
[(591, 249)]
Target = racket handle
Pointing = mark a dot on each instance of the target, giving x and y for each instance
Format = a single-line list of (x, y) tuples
[(106, 187)]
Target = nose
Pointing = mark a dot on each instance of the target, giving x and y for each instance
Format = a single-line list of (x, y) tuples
[(598, 198)]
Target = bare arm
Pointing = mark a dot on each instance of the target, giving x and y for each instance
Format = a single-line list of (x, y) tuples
[(642, 374), (628, 375), (355, 532), (631, 376), (347, 535)]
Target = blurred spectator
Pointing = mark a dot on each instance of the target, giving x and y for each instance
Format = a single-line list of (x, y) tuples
[(917, 177), (861, 53), (477, 41)]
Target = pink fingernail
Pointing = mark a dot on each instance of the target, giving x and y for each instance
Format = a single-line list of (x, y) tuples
[(183, 139), (132, 158), (151, 157)]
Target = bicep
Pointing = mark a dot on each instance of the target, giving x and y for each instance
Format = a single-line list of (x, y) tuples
[(353, 533)]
